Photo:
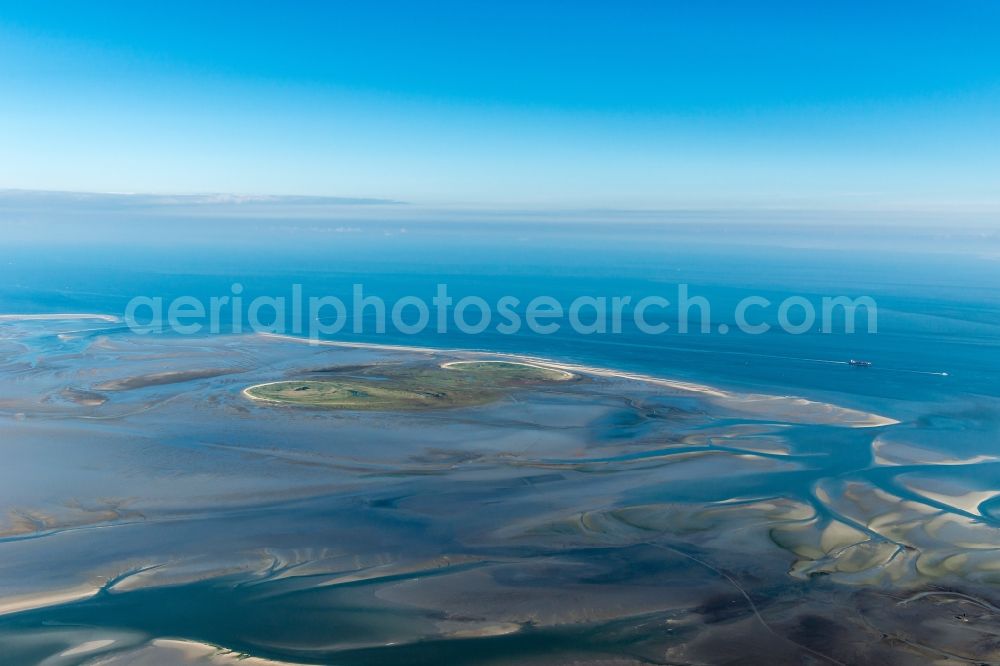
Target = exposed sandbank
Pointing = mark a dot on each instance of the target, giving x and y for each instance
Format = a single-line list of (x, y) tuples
[(60, 316), (161, 378), (790, 408)]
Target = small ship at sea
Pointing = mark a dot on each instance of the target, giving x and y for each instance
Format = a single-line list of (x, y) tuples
[(858, 363)]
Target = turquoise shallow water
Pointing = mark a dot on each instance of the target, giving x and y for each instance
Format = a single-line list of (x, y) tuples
[(622, 522)]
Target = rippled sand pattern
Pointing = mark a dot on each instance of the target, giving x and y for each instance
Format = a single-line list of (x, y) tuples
[(154, 513)]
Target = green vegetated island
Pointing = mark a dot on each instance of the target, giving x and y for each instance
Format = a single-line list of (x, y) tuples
[(386, 387)]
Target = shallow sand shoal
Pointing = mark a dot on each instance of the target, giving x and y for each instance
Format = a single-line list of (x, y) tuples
[(783, 407), (60, 316)]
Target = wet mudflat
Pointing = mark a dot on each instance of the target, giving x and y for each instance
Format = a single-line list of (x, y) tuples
[(462, 512)]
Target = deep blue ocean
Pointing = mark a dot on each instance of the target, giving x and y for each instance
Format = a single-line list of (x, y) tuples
[(938, 293)]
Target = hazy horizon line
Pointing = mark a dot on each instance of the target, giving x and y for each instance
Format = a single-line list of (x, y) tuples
[(224, 203)]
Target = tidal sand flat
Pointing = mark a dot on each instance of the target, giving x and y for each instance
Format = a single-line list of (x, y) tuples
[(64, 316), (159, 378), (256, 499)]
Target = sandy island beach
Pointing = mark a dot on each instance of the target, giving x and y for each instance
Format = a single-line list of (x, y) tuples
[(792, 408)]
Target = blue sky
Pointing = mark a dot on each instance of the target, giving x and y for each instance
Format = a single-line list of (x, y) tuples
[(562, 104)]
